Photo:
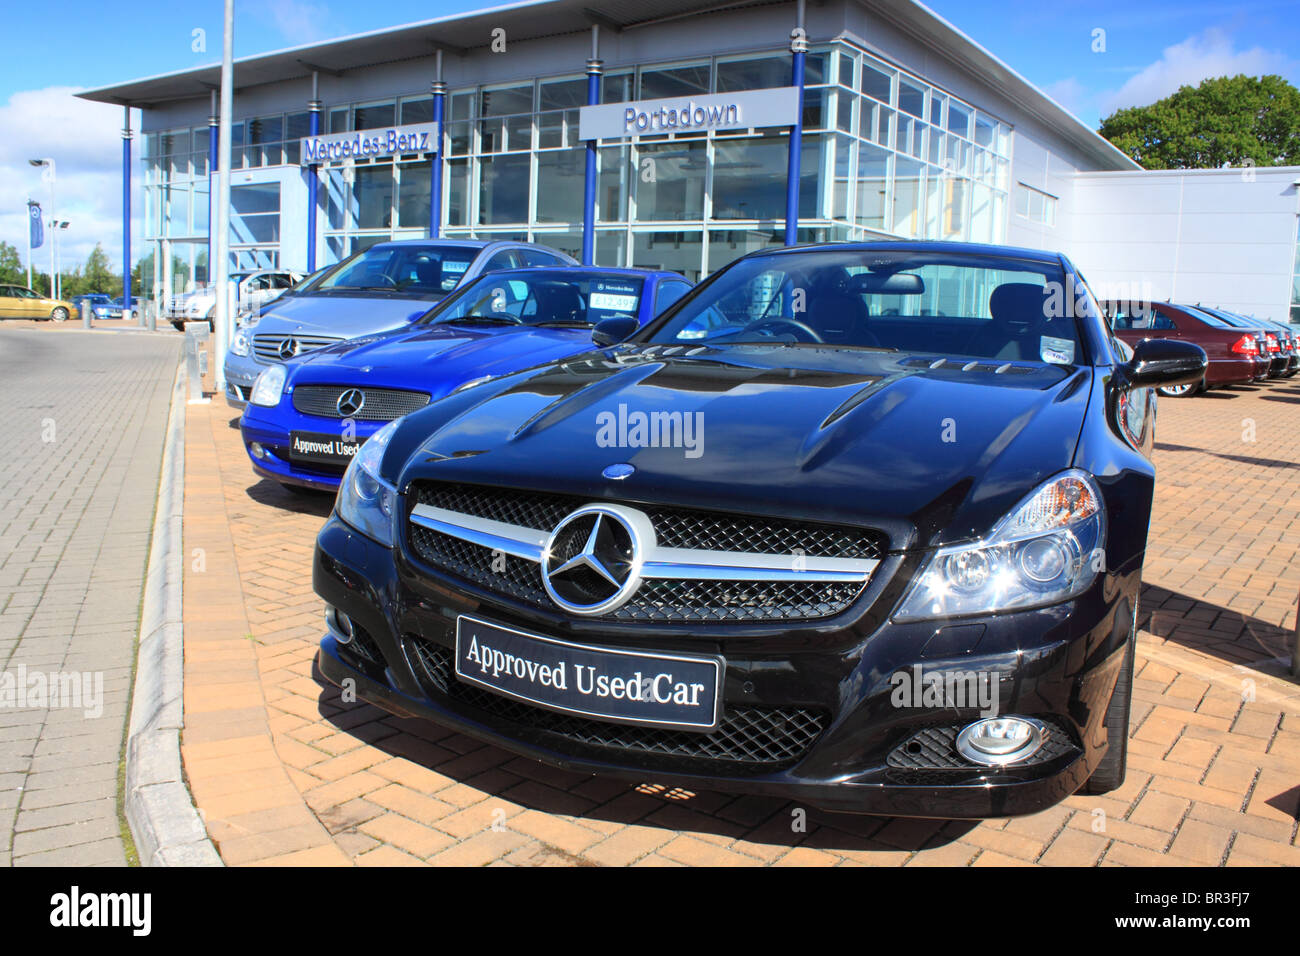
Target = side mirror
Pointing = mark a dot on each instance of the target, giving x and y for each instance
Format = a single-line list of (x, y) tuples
[(1165, 362), (613, 330)]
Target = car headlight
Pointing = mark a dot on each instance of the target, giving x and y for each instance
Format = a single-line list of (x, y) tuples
[(241, 345), (1045, 551), (267, 388), (366, 501)]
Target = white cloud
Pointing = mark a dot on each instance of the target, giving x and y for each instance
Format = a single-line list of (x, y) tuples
[(1207, 54), (85, 141)]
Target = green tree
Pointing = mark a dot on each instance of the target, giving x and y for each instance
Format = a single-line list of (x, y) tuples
[(1226, 121), (98, 275), (12, 270)]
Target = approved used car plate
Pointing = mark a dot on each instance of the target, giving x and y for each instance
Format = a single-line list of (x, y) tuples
[(674, 691), (321, 448)]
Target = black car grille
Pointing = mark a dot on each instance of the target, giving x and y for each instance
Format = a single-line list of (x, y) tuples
[(935, 748), (266, 346), (380, 404), (660, 600), (749, 740), (363, 653)]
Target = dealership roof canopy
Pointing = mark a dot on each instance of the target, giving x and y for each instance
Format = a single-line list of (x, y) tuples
[(536, 19)]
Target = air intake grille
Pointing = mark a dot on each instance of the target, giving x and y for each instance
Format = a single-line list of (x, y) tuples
[(656, 599), (750, 739), (378, 405), (266, 346)]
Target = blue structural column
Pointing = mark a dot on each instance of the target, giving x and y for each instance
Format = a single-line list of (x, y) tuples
[(126, 214), (595, 68), (799, 47), (313, 173), (214, 122), (439, 89)]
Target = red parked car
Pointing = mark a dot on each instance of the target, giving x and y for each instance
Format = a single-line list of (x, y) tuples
[(1234, 353)]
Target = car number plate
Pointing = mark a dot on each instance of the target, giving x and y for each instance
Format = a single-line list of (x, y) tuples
[(675, 691), (321, 448)]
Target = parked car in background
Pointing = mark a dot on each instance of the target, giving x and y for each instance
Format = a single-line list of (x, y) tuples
[(306, 285), (308, 416), (253, 290), (387, 286), (1268, 350), (100, 304), (1288, 346), (1233, 354), (115, 309), (736, 550), (19, 302)]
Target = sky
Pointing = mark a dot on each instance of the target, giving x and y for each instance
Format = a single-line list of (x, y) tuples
[(1092, 56)]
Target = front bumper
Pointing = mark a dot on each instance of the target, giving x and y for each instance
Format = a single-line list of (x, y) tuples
[(271, 428), (1058, 664), (241, 372)]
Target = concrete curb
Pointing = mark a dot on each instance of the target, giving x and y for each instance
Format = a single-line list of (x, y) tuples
[(164, 821)]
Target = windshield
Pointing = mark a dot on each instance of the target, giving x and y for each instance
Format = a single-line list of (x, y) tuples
[(418, 271), (551, 299), (993, 307)]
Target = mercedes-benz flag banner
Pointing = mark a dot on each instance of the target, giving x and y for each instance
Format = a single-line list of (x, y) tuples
[(38, 228)]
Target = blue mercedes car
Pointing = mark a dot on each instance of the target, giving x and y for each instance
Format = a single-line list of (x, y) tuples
[(386, 286), (307, 417)]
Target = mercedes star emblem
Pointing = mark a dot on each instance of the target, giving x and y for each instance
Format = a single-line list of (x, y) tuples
[(350, 402), (592, 561), (288, 348)]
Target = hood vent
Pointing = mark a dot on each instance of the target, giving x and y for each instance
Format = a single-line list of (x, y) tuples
[(977, 366)]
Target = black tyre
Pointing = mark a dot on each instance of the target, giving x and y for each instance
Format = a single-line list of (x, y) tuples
[(1109, 774), (60, 314)]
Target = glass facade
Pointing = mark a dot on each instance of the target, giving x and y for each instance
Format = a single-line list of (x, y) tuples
[(884, 154)]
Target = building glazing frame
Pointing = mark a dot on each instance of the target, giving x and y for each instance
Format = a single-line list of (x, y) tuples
[(912, 129), (884, 153)]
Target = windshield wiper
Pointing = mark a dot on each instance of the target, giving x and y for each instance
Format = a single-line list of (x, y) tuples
[(561, 324)]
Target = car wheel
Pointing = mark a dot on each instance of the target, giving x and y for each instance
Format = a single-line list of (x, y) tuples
[(60, 314), (1109, 774), (1180, 391)]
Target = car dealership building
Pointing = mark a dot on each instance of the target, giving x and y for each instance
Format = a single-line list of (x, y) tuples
[(678, 134)]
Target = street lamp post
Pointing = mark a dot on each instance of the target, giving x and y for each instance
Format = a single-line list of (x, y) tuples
[(48, 163), (57, 227)]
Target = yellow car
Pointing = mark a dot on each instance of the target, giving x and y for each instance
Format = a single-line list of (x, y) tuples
[(17, 302)]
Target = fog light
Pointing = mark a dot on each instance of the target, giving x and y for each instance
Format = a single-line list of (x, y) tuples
[(998, 741), (339, 624), (258, 451)]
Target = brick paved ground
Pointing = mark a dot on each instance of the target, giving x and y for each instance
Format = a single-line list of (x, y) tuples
[(285, 773), (84, 422)]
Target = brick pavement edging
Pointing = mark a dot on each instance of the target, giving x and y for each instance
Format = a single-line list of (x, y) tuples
[(163, 819)]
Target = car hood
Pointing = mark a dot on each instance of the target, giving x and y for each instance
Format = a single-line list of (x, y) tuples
[(928, 453), (438, 358), (341, 316)]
